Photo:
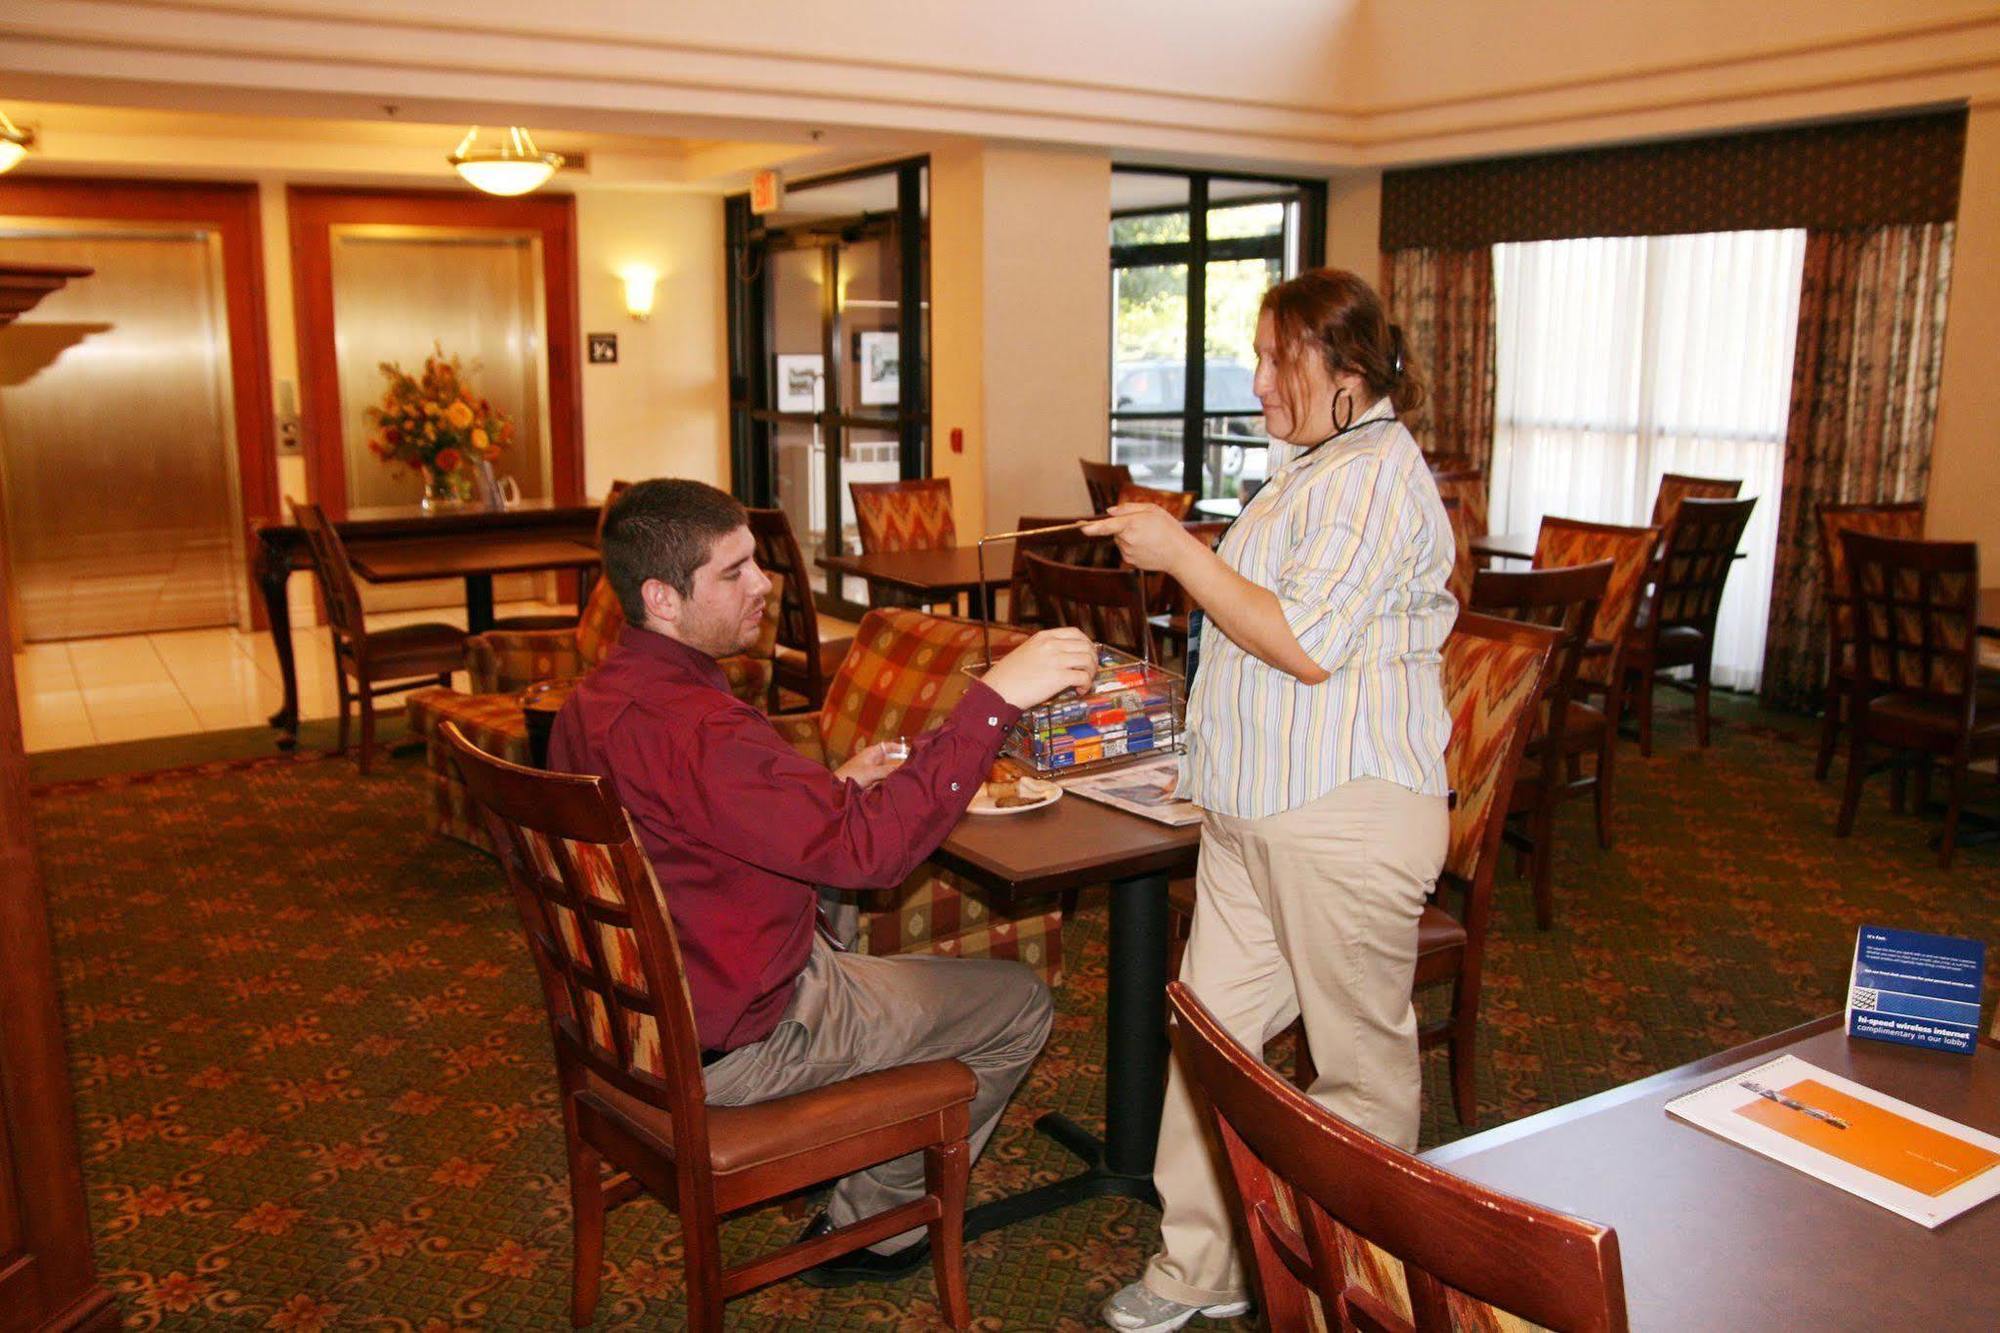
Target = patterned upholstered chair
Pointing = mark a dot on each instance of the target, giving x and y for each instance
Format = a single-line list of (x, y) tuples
[(1591, 729), (1177, 503), (1676, 487), (902, 516), (1881, 520), (1384, 1240), (902, 678), (1468, 487), (502, 664)]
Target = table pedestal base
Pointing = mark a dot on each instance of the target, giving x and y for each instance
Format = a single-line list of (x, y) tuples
[(1095, 1181)]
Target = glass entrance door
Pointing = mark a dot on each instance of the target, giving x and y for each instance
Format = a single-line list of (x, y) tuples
[(825, 298)]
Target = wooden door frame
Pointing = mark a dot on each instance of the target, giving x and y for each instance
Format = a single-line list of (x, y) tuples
[(314, 212), (231, 210)]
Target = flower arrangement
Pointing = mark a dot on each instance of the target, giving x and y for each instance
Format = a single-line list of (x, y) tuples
[(437, 423)]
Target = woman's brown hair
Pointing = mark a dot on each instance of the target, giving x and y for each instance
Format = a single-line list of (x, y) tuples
[(1333, 314)]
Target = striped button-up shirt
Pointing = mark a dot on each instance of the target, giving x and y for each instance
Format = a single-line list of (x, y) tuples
[(1355, 543)]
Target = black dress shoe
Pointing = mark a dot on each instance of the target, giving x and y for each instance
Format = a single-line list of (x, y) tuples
[(861, 1265)]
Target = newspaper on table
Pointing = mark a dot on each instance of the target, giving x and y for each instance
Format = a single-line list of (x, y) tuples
[(1145, 788)]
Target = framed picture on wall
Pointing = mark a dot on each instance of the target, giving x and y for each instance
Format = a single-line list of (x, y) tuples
[(801, 383), (881, 368)]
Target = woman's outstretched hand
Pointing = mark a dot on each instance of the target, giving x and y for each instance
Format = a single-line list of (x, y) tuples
[(1147, 536)]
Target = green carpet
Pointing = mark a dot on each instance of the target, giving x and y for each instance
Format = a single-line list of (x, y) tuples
[(315, 1091)]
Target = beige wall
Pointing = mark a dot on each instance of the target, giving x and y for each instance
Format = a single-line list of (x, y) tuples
[(1354, 224), (1021, 311), (1965, 461), (663, 409)]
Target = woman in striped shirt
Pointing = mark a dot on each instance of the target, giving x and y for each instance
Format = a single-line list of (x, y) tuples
[(1316, 732)]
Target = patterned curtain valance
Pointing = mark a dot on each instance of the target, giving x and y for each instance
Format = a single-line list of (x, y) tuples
[(1828, 177)]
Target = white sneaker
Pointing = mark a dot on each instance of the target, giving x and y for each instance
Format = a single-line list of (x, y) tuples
[(1136, 1309)]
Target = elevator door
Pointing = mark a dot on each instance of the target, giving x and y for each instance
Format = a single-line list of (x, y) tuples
[(116, 437)]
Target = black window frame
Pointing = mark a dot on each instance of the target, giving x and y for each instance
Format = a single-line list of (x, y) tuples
[(1197, 252)]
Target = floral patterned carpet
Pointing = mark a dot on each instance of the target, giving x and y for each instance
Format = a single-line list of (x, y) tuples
[(315, 1091)]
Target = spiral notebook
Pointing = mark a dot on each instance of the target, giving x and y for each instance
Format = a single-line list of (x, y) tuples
[(1902, 1157)]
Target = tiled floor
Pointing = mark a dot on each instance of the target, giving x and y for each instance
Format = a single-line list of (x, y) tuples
[(136, 686)]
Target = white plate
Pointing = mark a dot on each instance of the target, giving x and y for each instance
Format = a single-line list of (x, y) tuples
[(1048, 792)]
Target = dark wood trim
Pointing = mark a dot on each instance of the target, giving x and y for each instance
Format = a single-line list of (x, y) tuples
[(315, 211), (231, 210)]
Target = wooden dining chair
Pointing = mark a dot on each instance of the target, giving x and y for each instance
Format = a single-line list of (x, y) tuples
[(1378, 1238), (1882, 520), (1102, 481), (1565, 600), (805, 662), (1178, 503), (1109, 605), (1676, 626), (1468, 487), (1676, 487), (379, 662), (1915, 687), (628, 1064), (1448, 462), (1463, 565), (1067, 546), (902, 516), (1169, 603), (1592, 729)]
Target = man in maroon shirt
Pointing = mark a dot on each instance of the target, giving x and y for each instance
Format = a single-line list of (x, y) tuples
[(743, 831)]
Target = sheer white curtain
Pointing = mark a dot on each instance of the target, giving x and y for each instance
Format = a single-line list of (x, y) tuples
[(1623, 358)]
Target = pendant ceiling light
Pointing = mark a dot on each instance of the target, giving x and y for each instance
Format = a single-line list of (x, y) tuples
[(511, 167), (14, 143)]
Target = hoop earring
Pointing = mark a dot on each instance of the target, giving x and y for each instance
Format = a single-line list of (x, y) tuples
[(1340, 422)]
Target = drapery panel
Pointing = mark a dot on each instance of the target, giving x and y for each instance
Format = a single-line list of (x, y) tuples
[(1444, 301), (1625, 358), (1863, 407)]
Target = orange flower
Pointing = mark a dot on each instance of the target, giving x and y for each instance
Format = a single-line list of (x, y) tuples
[(479, 438), (447, 460), (458, 414)]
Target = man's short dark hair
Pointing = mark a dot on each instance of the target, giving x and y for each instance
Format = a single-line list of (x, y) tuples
[(664, 530)]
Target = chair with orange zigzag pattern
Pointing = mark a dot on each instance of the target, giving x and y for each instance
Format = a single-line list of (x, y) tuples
[(1676, 487), (1384, 1241), (902, 516), (901, 678)]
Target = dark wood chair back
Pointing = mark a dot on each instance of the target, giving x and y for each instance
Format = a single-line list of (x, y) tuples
[(1916, 619), (603, 945), (778, 555), (1178, 503), (1110, 605), (1468, 487), (1102, 481), (1069, 547), (1448, 462), (1694, 568), (1463, 563), (1563, 599), (1361, 1204), (1571, 541), (1164, 595), (1904, 520), (1676, 487), (333, 574), (904, 515)]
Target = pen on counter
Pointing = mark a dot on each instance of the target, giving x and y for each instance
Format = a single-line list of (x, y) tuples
[(1773, 1095)]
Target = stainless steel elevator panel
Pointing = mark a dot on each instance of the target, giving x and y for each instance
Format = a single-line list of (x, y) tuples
[(117, 437)]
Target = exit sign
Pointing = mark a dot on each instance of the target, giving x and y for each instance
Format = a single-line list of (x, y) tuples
[(767, 192)]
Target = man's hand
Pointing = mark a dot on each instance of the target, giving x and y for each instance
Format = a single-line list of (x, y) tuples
[(1147, 536), (1053, 661), (871, 765)]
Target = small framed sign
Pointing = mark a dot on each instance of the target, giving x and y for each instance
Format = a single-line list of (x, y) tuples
[(603, 348), (767, 192)]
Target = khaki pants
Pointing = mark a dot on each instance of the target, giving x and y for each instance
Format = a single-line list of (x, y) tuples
[(1311, 912), (853, 1014)]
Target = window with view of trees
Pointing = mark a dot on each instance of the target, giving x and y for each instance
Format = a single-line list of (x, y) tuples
[(1191, 257)]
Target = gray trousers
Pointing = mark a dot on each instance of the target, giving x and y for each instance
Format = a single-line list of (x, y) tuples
[(853, 1014)]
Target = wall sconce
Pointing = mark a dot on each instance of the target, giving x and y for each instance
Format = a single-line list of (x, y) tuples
[(640, 283), (14, 143)]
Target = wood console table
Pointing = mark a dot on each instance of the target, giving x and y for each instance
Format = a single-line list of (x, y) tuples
[(406, 543)]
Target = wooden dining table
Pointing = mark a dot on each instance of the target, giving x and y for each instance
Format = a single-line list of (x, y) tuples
[(940, 575), (1714, 1235), (1072, 844), (405, 545)]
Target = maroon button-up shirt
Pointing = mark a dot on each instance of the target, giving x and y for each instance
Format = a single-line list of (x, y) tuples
[(741, 828)]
